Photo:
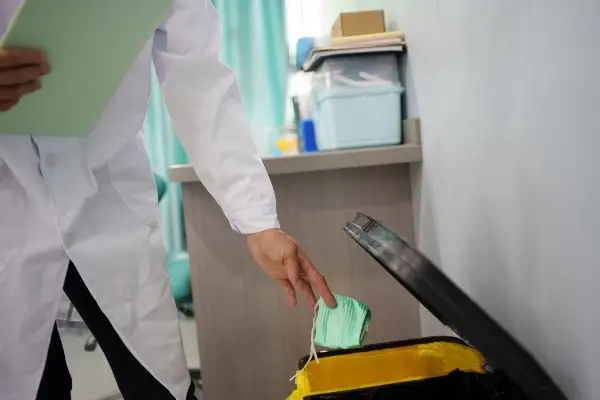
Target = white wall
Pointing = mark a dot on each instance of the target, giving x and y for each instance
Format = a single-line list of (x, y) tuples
[(509, 193)]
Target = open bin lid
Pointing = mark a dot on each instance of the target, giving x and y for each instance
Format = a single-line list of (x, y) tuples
[(432, 288)]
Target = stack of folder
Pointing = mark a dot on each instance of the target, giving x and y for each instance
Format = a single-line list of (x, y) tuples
[(386, 42)]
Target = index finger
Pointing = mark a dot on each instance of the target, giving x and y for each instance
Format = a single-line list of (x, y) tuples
[(10, 58), (293, 267), (317, 280)]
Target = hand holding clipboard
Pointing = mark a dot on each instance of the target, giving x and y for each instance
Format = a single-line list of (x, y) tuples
[(91, 46), (20, 73)]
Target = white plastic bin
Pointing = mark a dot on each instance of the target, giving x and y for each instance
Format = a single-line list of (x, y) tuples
[(359, 116)]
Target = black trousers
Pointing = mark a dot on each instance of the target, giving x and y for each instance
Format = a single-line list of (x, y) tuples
[(133, 380)]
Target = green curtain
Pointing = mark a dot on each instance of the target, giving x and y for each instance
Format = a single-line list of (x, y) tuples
[(254, 45)]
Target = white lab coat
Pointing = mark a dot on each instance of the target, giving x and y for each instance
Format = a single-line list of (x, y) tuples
[(92, 200)]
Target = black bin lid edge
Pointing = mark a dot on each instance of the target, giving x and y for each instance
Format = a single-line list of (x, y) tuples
[(447, 302)]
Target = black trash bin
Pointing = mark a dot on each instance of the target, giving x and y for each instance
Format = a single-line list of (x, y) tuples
[(487, 363)]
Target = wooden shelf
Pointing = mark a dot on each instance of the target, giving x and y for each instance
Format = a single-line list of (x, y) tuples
[(323, 161)]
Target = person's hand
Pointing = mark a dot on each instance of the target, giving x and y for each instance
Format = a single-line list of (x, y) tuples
[(282, 259), (20, 73)]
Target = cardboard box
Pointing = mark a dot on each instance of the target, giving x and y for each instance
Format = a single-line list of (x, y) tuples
[(359, 23)]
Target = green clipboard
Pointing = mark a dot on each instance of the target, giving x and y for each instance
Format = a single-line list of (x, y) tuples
[(91, 45)]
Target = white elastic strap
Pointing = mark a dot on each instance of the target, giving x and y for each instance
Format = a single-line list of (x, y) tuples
[(313, 351)]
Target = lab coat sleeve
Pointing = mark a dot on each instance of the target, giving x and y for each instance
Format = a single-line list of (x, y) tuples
[(203, 99)]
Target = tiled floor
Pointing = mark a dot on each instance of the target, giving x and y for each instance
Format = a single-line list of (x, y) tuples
[(92, 378)]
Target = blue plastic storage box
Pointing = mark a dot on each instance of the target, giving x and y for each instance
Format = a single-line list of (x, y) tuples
[(355, 117)]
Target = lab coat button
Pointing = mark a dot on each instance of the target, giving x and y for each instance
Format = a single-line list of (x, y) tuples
[(51, 160)]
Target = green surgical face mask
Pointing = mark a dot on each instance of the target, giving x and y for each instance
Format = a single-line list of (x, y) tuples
[(343, 327)]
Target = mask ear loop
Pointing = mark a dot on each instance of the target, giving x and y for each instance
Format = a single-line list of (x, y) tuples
[(313, 351)]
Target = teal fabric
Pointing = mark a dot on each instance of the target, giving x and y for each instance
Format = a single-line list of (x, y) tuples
[(254, 45), (178, 263), (179, 275), (161, 186), (343, 327)]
